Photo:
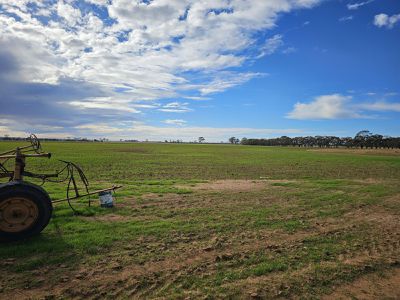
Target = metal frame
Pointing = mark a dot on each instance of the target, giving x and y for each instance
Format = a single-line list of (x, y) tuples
[(21, 153)]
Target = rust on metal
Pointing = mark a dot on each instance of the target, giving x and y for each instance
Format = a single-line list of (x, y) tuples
[(17, 214), (66, 174)]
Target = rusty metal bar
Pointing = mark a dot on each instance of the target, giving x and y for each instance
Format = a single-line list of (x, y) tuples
[(11, 151), (8, 156), (40, 176), (87, 194), (48, 155), (7, 152), (19, 165), (75, 186)]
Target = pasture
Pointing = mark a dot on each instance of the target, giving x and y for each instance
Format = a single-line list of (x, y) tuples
[(216, 221)]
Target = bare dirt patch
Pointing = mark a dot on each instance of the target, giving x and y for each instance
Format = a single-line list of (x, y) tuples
[(374, 286), (393, 202), (389, 152), (382, 245), (235, 185), (107, 218)]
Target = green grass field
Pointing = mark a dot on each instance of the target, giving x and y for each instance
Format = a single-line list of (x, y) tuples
[(215, 221)]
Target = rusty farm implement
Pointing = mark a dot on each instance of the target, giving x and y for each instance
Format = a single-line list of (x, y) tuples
[(25, 207)]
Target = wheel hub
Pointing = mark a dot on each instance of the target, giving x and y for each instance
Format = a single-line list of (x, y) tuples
[(17, 214)]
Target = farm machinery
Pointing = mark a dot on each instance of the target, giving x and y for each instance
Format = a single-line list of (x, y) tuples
[(25, 207)]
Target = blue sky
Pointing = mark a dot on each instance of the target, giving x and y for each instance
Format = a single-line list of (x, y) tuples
[(181, 69)]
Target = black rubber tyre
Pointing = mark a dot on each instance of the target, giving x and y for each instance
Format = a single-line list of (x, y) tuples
[(25, 210)]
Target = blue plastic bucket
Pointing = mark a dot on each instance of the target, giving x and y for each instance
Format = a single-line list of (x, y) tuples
[(106, 199)]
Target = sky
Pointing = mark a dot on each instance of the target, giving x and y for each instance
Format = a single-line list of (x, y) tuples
[(181, 69)]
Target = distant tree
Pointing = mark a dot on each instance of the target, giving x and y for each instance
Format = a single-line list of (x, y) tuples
[(361, 138), (347, 142), (284, 141), (297, 141), (376, 140), (234, 140), (201, 139)]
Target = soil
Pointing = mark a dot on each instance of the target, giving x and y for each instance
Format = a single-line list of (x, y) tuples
[(107, 218), (389, 152), (236, 185), (166, 262), (374, 286)]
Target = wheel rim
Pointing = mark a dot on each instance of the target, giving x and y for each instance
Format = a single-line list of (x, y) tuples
[(17, 214)]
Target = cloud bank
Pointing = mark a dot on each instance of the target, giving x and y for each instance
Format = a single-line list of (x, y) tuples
[(337, 106), (69, 61), (142, 131)]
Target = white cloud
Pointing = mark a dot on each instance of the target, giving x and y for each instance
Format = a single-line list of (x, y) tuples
[(384, 20), (289, 50), (212, 134), (99, 2), (16, 128), (5, 130), (357, 5), (324, 107), (271, 45), (107, 103), (178, 122), (337, 106), (71, 15), (144, 51), (197, 98), (146, 46), (381, 106), (346, 18), (175, 107), (226, 80)]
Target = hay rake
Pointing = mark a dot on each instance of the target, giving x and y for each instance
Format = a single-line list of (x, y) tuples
[(26, 208)]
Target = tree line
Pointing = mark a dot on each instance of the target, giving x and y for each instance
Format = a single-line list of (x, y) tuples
[(363, 139)]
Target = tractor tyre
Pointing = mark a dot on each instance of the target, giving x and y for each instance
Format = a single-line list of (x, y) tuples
[(25, 210)]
